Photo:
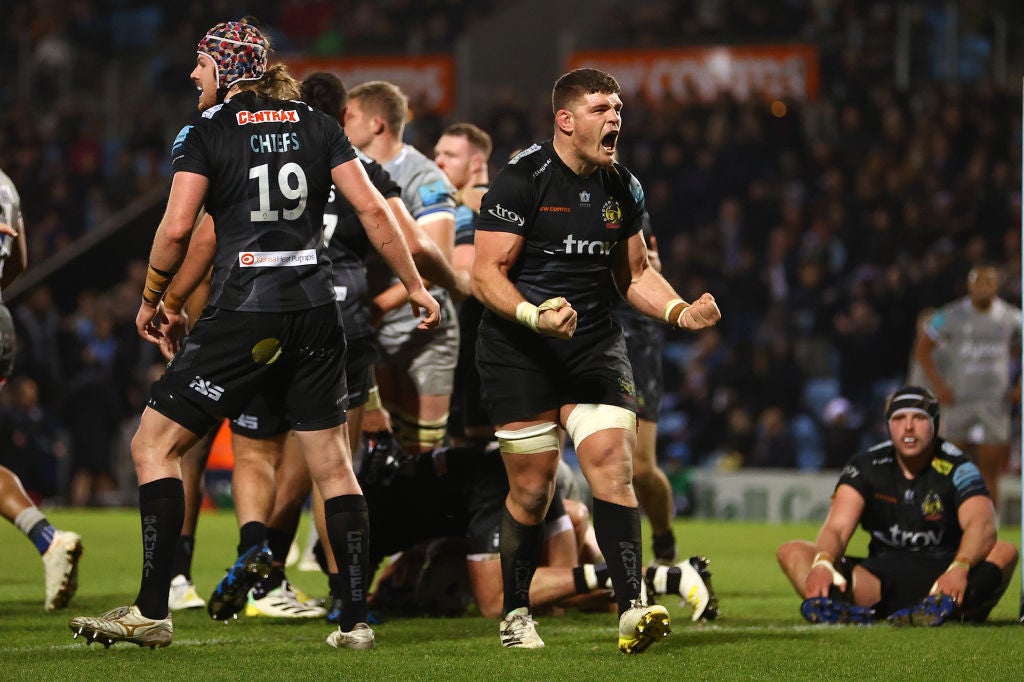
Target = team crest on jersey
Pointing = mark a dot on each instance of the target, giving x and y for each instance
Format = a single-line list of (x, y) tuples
[(612, 214), (931, 508)]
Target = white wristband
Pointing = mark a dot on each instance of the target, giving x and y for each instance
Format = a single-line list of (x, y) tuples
[(668, 309), (837, 577), (528, 314), (679, 320)]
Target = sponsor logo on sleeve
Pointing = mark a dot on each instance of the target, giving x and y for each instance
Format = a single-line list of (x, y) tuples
[(966, 476), (434, 193), (508, 216), (942, 466), (179, 142)]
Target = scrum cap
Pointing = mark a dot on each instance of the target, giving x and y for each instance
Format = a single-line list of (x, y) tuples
[(238, 51), (913, 399)]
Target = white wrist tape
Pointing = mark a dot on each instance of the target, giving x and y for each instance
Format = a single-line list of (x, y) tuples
[(679, 320), (529, 315), (837, 577), (667, 312)]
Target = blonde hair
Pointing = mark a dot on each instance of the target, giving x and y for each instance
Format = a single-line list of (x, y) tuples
[(276, 83), (384, 99)]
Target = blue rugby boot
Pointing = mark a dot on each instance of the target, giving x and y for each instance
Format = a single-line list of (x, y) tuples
[(933, 611), (835, 611), (231, 592)]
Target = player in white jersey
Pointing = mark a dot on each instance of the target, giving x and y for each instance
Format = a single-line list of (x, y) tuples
[(59, 549), (416, 371), (978, 335)]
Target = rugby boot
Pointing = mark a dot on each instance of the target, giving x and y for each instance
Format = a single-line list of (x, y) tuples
[(231, 592), (124, 624), (641, 626), (518, 630)]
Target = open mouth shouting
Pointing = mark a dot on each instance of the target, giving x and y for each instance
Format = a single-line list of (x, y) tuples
[(609, 140)]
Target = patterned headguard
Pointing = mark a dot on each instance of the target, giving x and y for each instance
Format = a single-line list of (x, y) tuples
[(238, 51), (914, 399)]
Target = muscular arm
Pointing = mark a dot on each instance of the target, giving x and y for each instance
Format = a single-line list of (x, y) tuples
[(645, 289), (429, 258), (977, 517), (496, 253), (170, 243), (189, 289), (843, 517), (196, 266), (384, 232)]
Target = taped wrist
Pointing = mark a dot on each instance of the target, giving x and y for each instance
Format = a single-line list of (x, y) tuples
[(960, 562), (669, 314), (373, 399), (156, 284), (528, 314), (824, 559)]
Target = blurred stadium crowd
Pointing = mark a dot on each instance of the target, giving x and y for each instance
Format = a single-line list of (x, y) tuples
[(823, 228)]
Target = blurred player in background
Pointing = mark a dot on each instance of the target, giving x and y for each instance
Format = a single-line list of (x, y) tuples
[(977, 337), (416, 372), (59, 549)]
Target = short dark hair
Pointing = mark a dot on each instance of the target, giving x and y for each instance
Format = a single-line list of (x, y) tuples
[(326, 92), (579, 83), (476, 136)]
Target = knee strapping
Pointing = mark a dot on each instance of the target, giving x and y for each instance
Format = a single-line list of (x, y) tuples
[(588, 418), (425, 433), (529, 440)]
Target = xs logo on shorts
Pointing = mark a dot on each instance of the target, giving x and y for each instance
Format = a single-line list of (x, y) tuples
[(206, 388)]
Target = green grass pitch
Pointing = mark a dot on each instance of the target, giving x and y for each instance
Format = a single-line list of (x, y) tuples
[(759, 636)]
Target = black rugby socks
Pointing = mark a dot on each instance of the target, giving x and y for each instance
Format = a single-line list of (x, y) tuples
[(348, 528), (520, 553), (162, 508), (618, 535)]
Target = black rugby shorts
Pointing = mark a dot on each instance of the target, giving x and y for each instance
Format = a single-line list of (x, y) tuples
[(523, 373), (467, 410), (906, 579), (645, 345), (295, 360), (264, 416)]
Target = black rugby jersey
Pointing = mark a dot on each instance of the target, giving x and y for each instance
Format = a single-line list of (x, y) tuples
[(571, 225), (917, 515), (269, 165), (348, 246)]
